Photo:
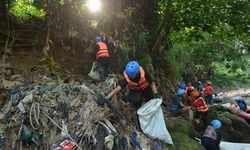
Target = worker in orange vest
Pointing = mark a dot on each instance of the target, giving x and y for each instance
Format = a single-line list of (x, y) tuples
[(140, 83), (101, 54), (201, 107), (208, 93), (189, 91)]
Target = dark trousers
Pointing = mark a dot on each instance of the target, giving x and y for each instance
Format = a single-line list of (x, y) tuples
[(202, 116), (137, 97), (209, 99), (104, 69), (210, 145)]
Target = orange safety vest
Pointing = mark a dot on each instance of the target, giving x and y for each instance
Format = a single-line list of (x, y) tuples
[(141, 85), (103, 50), (202, 108), (208, 90)]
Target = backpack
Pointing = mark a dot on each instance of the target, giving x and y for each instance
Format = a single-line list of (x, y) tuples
[(210, 133)]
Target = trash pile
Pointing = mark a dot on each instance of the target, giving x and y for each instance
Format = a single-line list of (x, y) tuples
[(60, 116)]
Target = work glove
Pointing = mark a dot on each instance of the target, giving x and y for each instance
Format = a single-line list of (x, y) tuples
[(158, 95)]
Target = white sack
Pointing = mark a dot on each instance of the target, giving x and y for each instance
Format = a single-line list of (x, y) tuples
[(234, 146), (152, 121), (94, 73)]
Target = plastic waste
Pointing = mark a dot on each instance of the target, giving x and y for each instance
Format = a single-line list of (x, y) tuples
[(15, 94), (25, 133), (2, 142), (109, 142), (156, 146), (135, 141), (64, 131), (36, 138), (94, 73), (63, 145), (190, 113), (67, 143)]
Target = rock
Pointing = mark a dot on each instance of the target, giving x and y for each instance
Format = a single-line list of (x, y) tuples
[(234, 128), (237, 122)]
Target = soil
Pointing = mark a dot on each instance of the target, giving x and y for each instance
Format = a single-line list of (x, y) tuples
[(77, 62)]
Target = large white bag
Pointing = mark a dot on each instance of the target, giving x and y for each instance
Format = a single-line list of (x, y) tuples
[(94, 73), (152, 120), (234, 146)]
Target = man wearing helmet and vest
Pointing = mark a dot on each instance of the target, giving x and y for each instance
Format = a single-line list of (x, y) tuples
[(211, 137), (208, 93), (189, 91), (176, 106), (140, 85), (201, 107), (101, 54)]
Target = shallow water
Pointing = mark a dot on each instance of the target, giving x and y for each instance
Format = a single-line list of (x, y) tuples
[(226, 97), (234, 135)]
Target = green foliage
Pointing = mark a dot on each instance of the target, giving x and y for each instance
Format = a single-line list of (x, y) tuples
[(195, 50), (183, 142), (230, 79), (135, 39), (25, 10), (138, 38), (180, 135), (72, 33), (182, 126), (50, 65), (93, 24), (210, 14), (207, 32), (201, 32)]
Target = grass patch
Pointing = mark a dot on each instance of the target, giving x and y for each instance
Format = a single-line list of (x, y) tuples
[(183, 142), (180, 135)]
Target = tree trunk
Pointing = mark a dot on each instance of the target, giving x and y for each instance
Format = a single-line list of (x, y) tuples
[(3, 10)]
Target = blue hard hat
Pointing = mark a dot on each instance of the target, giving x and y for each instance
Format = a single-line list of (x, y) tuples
[(180, 92), (98, 39), (182, 86), (132, 68), (216, 123), (199, 82)]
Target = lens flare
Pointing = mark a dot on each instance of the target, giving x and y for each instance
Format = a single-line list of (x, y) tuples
[(94, 5)]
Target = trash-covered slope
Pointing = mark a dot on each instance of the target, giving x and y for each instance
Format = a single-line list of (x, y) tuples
[(48, 113)]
